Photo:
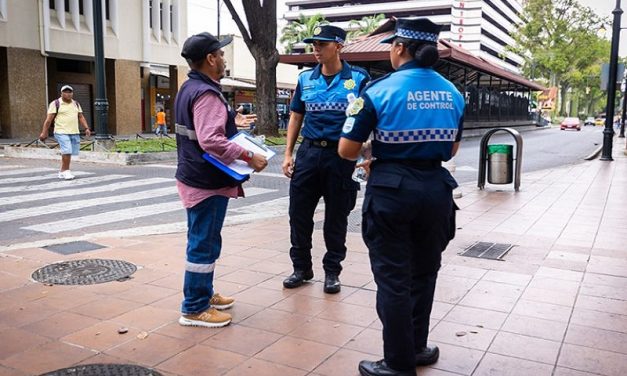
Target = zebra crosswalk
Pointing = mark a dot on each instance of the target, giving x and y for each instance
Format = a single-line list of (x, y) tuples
[(36, 206)]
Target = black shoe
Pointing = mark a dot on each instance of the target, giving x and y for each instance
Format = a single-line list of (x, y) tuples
[(332, 284), (297, 278), (428, 355), (370, 368)]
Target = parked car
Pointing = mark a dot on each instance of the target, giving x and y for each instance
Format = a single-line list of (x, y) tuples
[(599, 121), (589, 121), (570, 123)]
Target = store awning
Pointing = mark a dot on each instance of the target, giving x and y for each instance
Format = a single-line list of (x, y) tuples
[(233, 83)]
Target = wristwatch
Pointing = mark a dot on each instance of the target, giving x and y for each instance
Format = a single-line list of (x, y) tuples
[(248, 156)]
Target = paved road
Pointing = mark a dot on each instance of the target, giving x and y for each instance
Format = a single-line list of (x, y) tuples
[(36, 208)]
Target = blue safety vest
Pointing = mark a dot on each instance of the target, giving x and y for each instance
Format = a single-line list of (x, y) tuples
[(192, 169), (414, 113), (324, 105)]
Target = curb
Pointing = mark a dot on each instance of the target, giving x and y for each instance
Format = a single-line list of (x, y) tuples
[(124, 159), (594, 154)]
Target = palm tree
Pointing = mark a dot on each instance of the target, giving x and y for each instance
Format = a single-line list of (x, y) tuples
[(364, 26), (294, 32)]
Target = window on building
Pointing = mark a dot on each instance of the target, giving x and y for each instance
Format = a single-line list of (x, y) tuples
[(81, 7), (161, 14)]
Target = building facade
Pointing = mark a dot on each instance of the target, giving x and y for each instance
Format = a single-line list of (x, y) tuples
[(45, 44), (483, 27)]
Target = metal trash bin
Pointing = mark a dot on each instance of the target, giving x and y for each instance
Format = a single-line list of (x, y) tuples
[(500, 164)]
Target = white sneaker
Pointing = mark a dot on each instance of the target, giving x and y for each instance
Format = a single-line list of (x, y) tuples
[(67, 175)]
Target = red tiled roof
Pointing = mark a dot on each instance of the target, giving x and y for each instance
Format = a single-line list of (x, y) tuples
[(370, 48)]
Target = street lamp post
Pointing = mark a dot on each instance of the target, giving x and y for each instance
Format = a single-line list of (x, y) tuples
[(608, 132), (218, 11), (622, 119), (101, 104)]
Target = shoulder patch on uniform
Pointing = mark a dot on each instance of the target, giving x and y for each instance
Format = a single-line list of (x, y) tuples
[(348, 125), (354, 108), (349, 84)]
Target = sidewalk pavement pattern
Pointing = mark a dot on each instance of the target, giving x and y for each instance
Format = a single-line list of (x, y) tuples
[(556, 304)]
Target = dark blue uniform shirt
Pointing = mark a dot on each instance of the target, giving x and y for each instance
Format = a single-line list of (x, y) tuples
[(325, 105), (414, 113)]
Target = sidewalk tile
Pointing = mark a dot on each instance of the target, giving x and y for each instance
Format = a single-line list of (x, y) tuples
[(535, 327), (612, 292), (600, 320), (297, 353), (462, 271), (601, 304), (245, 277), (494, 364), (188, 333), (605, 280), (440, 309), (366, 298), (541, 310), (554, 284), (147, 294), (549, 296), (170, 281), (305, 305), (561, 371), (6, 371), (461, 360), (241, 311), (462, 335), (350, 314), (258, 367), (597, 338), (26, 313), (15, 341), (48, 357), (242, 340), (593, 360), (530, 348), (343, 363), (271, 267), (449, 289), (261, 296), (60, 324), (369, 341), (516, 279), (202, 360), (275, 321), (328, 332), (101, 336), (316, 290), (151, 350), (566, 275), (146, 318), (476, 317)]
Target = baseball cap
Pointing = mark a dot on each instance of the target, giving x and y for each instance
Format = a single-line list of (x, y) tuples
[(67, 87), (418, 29), (198, 46), (327, 33)]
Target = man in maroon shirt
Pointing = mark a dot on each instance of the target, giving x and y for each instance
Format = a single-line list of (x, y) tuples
[(204, 121)]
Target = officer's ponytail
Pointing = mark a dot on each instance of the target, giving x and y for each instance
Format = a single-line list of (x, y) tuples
[(426, 55)]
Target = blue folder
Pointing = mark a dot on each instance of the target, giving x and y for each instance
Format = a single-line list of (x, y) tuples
[(224, 168)]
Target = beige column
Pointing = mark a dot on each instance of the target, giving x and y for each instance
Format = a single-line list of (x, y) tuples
[(127, 97)]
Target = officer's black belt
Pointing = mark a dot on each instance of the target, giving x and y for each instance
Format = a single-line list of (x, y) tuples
[(320, 143), (420, 164), (184, 131)]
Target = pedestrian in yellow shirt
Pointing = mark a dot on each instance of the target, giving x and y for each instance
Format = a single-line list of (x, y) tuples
[(66, 114)]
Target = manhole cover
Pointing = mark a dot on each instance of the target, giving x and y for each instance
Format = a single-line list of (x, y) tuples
[(73, 247), (104, 370), (84, 272), (485, 250)]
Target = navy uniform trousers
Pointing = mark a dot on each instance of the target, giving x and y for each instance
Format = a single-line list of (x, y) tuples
[(407, 219), (320, 172)]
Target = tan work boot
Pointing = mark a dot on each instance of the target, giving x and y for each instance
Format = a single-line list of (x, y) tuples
[(211, 318), (221, 302)]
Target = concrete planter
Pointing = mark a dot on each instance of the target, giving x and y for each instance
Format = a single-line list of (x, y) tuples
[(91, 156)]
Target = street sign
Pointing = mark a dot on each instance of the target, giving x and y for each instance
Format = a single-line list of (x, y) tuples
[(605, 73)]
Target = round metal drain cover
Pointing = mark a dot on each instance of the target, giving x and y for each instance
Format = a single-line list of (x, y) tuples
[(104, 370), (84, 272)]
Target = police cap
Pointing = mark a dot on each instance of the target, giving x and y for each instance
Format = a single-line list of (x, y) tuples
[(327, 33), (198, 46), (418, 29)]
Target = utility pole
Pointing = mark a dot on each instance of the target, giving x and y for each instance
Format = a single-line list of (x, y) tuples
[(218, 11), (608, 132), (101, 104)]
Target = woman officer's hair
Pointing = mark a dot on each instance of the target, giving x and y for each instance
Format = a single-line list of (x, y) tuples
[(425, 54)]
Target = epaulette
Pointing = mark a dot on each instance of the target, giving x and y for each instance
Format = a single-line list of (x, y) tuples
[(360, 70)]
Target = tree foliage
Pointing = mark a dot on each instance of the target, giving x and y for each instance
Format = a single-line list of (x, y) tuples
[(559, 43), (295, 31), (260, 38), (364, 26)]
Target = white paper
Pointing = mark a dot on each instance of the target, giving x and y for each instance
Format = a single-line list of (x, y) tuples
[(248, 142)]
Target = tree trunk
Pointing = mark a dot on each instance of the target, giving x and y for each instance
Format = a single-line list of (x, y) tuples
[(267, 122), (562, 102)]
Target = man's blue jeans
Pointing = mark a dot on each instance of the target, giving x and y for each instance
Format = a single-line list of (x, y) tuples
[(204, 242)]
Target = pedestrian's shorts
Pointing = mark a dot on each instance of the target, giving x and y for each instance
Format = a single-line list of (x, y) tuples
[(68, 143)]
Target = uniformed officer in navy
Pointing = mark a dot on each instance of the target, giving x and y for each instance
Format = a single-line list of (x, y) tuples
[(416, 116), (320, 101)]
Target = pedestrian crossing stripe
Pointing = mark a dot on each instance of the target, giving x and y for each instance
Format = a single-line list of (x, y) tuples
[(25, 171), (87, 190), (29, 179)]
